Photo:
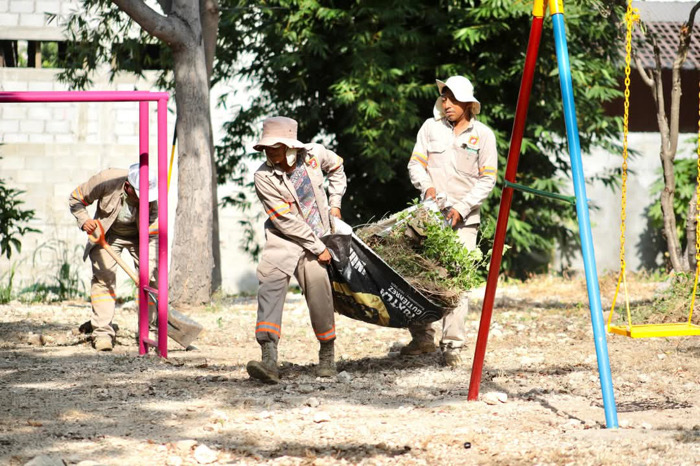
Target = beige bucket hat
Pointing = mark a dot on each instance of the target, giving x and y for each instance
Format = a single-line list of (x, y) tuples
[(279, 130), (463, 91), (133, 179)]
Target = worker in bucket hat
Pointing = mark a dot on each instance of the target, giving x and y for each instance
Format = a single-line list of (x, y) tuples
[(289, 185), (116, 192), (454, 162)]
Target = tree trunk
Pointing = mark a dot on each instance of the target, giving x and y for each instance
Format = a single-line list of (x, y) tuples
[(668, 129), (190, 29), (216, 244), (192, 260), (209, 17), (672, 242)]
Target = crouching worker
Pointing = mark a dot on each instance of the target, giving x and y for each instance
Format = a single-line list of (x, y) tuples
[(290, 186), (116, 192)]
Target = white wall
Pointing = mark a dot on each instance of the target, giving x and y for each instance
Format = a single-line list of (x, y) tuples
[(644, 169)]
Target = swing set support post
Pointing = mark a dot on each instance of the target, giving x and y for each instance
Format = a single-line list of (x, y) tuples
[(584, 223), (557, 13), (506, 198)]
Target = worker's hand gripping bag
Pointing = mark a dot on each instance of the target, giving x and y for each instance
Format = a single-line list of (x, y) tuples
[(366, 288)]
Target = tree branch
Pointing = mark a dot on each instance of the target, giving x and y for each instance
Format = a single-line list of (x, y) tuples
[(646, 77), (691, 18), (684, 37), (155, 24), (209, 17), (658, 93)]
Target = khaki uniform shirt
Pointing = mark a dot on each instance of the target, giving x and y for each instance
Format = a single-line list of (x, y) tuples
[(106, 188), (287, 234), (463, 166), (125, 223)]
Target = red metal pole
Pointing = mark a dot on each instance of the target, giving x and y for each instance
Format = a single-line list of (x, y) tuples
[(504, 210)]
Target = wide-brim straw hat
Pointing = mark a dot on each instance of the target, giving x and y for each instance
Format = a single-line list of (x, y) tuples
[(133, 179), (279, 130), (463, 91)]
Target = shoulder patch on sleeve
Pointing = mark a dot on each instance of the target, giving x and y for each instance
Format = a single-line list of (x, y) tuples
[(312, 162)]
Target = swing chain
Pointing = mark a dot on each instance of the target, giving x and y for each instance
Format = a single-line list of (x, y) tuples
[(697, 220), (631, 17), (697, 187)]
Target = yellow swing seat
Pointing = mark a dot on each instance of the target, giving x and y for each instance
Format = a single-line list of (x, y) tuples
[(679, 329)]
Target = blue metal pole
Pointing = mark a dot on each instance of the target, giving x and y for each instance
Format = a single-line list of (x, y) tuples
[(584, 224)]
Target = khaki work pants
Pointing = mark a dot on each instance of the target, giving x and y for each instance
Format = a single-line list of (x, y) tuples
[(454, 332), (104, 281), (316, 286)]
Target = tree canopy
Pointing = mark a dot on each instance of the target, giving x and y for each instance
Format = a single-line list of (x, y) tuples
[(360, 77)]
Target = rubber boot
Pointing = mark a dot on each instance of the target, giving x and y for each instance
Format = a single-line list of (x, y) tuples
[(422, 343), (452, 356), (326, 360), (265, 371), (103, 343)]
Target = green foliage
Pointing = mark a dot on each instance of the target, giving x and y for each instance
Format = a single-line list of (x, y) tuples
[(426, 253), (673, 304), (360, 77), (49, 55), (465, 267), (13, 220), (686, 171), (58, 259), (670, 304), (6, 289)]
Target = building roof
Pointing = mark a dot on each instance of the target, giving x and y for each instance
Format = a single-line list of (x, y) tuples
[(669, 12), (664, 20)]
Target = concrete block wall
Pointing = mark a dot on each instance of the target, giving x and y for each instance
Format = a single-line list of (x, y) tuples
[(33, 14), (69, 123)]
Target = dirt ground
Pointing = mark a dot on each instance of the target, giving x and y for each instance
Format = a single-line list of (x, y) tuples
[(540, 403)]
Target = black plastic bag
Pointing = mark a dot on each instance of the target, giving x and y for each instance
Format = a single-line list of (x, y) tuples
[(365, 287)]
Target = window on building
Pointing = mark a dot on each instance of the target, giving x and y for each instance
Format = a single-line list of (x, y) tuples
[(31, 54)]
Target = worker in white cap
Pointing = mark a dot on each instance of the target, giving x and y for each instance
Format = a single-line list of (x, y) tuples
[(116, 192), (453, 162), (290, 186)]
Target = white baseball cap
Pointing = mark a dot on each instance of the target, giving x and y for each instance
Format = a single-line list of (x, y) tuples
[(463, 91), (133, 179)]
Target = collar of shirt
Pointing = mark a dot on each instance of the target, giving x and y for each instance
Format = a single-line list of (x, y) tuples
[(450, 125), (128, 200), (301, 156)]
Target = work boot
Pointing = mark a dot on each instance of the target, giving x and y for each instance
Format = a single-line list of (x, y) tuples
[(452, 356), (265, 371), (421, 344), (103, 343), (326, 360)]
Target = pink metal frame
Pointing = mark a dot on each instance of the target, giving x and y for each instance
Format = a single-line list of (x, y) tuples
[(143, 97)]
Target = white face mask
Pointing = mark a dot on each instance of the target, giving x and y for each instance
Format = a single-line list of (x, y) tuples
[(292, 156)]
